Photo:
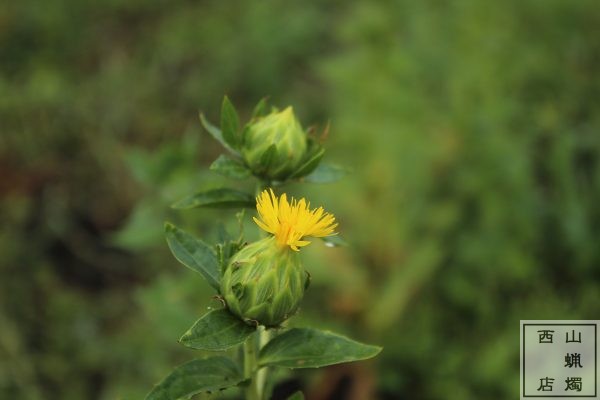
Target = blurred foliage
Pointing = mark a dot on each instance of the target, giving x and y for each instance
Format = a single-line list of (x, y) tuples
[(472, 128)]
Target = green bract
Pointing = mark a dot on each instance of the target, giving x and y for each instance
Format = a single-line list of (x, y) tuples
[(264, 283), (274, 145)]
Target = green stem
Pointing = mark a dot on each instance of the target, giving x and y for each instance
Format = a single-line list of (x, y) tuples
[(250, 368), (261, 375)]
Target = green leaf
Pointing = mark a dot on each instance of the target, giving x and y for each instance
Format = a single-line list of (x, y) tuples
[(230, 168), (226, 250), (217, 330), (334, 241), (310, 164), (215, 133), (327, 173), (260, 109), (311, 348), (230, 123), (197, 376), (244, 136), (194, 254), (217, 198), (296, 396), (267, 157)]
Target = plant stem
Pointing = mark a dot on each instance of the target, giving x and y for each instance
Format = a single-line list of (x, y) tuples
[(250, 368), (261, 375)]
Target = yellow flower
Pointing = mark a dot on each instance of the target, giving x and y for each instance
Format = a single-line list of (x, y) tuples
[(291, 222)]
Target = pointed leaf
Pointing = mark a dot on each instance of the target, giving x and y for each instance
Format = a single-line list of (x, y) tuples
[(197, 376), (310, 164), (194, 254), (230, 168), (225, 251), (296, 396), (230, 123), (217, 330), (334, 241), (327, 173), (261, 108), (267, 157), (244, 136), (217, 198), (215, 133), (311, 348)]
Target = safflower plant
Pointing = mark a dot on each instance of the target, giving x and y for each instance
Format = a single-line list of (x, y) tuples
[(260, 285)]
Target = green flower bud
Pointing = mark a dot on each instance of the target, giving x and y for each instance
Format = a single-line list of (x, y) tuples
[(264, 283), (281, 129)]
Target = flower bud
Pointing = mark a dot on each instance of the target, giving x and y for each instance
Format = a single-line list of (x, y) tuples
[(282, 129), (264, 283)]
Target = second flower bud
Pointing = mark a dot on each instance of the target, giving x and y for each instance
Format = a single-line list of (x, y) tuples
[(274, 145)]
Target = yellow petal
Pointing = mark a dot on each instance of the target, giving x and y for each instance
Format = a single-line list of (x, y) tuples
[(291, 221)]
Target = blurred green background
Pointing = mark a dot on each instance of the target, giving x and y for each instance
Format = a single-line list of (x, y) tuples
[(472, 127)]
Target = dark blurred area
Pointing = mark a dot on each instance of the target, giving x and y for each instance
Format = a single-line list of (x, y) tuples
[(472, 127)]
